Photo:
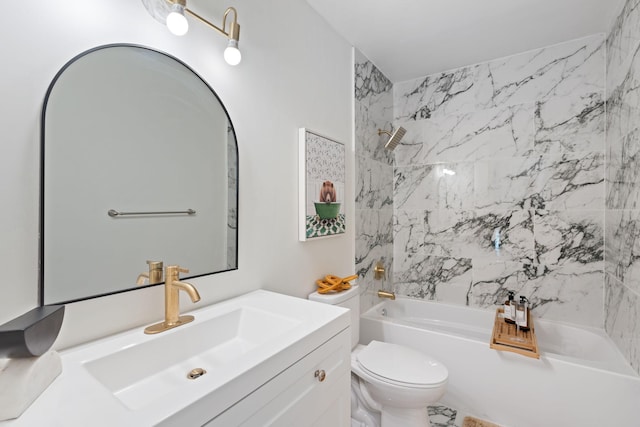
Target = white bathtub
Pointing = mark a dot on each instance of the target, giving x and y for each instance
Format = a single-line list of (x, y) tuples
[(580, 380)]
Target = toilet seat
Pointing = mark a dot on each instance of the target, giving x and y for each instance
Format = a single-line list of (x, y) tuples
[(401, 366)]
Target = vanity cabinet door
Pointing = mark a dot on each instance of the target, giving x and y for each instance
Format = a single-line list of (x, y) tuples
[(314, 392)]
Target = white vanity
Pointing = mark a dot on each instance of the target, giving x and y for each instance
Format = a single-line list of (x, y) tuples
[(270, 359)]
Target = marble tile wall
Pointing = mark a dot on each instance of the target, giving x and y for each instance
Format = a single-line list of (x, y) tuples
[(374, 177), (513, 148), (622, 236)]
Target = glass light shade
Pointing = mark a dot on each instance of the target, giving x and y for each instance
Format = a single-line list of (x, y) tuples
[(176, 21), (232, 54)]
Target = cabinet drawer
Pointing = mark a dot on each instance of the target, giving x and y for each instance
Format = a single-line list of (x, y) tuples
[(315, 391)]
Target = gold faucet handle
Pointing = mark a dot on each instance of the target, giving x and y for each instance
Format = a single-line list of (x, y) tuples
[(379, 271), (174, 271), (154, 265)]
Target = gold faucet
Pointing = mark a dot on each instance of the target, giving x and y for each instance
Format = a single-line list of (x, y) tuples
[(154, 275), (172, 287), (379, 272), (385, 294)]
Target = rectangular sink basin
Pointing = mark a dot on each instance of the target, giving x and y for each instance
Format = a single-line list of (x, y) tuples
[(144, 372)]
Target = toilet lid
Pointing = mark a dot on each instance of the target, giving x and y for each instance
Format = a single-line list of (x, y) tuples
[(402, 364)]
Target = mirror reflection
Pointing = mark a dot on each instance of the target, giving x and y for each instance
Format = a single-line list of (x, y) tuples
[(139, 163)]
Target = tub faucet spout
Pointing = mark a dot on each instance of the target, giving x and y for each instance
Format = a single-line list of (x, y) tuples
[(385, 294)]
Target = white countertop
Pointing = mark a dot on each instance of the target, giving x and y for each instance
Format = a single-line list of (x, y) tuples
[(77, 398)]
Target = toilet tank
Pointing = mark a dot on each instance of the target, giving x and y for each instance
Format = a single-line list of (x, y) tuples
[(348, 299)]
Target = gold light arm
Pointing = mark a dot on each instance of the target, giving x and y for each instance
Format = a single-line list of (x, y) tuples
[(234, 27)]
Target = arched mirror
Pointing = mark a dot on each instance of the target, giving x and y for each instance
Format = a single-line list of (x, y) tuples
[(139, 163)]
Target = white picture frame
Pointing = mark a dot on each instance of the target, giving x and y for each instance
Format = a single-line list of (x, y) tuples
[(322, 174)]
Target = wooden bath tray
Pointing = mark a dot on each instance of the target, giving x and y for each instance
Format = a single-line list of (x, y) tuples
[(506, 337)]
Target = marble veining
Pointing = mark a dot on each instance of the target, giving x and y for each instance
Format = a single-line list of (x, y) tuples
[(570, 124), (373, 178), (570, 181), (623, 173), (435, 186), (374, 184), (465, 233), (512, 149), (451, 91), (432, 277), (369, 80), (553, 258), (560, 70), (374, 242), (622, 253), (367, 122), (623, 247), (472, 136), (569, 236), (621, 322), (442, 416), (623, 38), (623, 100)]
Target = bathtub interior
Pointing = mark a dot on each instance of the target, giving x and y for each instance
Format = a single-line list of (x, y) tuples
[(570, 343), (460, 321)]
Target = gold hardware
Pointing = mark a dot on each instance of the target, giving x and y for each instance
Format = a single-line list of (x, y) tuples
[(385, 294), (196, 373), (172, 286), (320, 375), (394, 138), (154, 275), (379, 271), (234, 27)]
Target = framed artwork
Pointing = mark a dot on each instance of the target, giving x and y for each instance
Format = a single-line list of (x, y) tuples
[(321, 188)]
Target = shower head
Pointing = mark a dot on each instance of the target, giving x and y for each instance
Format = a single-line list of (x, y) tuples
[(394, 138)]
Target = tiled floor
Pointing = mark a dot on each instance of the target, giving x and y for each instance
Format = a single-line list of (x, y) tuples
[(442, 416), (439, 416)]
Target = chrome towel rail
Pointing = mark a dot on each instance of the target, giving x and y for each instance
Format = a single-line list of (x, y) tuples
[(115, 213)]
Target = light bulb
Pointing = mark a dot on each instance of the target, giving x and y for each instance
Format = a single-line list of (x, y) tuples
[(232, 54), (176, 21)]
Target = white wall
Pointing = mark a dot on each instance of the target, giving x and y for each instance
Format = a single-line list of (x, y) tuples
[(296, 72)]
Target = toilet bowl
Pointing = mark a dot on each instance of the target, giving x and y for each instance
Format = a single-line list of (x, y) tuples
[(399, 382), (392, 385)]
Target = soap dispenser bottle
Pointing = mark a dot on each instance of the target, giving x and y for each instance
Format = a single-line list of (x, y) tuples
[(509, 312), (522, 314)]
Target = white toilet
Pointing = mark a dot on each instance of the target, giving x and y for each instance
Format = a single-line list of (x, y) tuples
[(391, 385)]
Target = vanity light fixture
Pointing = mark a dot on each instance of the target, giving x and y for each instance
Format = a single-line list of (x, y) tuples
[(176, 21), (178, 25)]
